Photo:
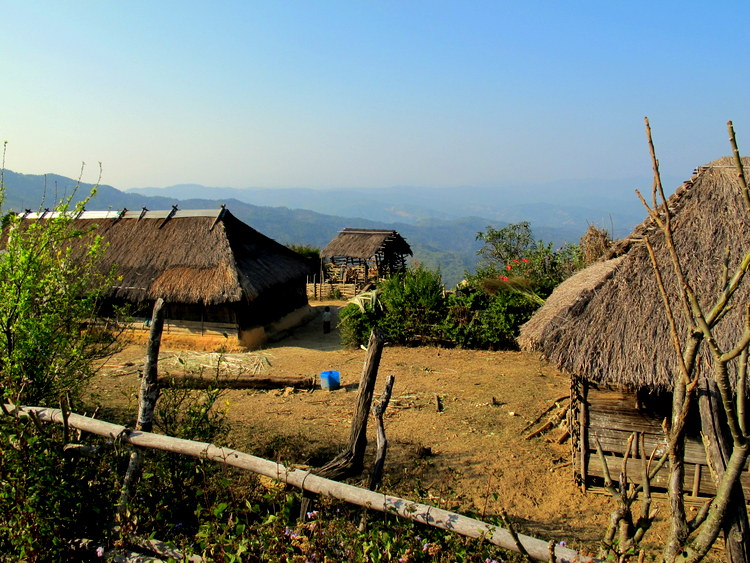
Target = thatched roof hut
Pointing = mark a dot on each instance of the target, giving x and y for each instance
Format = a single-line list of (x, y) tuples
[(618, 332), (365, 253), (607, 325), (210, 267)]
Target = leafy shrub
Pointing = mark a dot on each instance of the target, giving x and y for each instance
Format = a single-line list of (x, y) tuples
[(49, 497), (414, 305), (310, 252), (50, 288), (329, 533), (355, 323), (49, 293), (412, 308), (478, 319), (175, 489)]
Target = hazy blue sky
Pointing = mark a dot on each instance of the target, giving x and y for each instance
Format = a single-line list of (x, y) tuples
[(369, 94)]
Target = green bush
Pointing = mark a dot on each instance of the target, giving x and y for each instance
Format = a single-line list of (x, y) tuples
[(414, 305), (477, 319), (50, 497), (412, 308), (355, 323), (50, 288)]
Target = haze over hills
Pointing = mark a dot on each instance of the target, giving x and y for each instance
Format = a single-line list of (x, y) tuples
[(440, 224), (569, 204)]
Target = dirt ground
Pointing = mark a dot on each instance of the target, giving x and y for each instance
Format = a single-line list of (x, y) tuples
[(472, 453)]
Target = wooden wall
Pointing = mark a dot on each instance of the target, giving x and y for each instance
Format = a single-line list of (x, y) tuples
[(612, 415), (327, 290)]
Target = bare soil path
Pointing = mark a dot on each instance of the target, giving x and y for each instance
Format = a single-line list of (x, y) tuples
[(472, 454)]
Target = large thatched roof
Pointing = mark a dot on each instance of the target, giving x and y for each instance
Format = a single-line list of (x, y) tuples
[(365, 243), (193, 256), (608, 324)]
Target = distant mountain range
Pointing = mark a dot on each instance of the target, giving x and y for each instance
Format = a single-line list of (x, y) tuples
[(564, 205), (440, 224)]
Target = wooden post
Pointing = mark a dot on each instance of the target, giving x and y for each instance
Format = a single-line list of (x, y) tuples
[(147, 398), (716, 440), (696, 479), (378, 410), (199, 382), (149, 385), (350, 461), (583, 421)]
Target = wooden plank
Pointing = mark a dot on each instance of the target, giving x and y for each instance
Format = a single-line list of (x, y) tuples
[(706, 487), (629, 420), (615, 441), (690, 501), (583, 415), (697, 480)]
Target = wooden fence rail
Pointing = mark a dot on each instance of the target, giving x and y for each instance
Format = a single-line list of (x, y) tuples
[(439, 518)]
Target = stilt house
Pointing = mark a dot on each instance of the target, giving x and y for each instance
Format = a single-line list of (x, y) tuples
[(607, 327), (219, 277), (357, 257)]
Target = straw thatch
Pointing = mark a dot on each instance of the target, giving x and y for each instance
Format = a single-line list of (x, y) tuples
[(365, 243), (608, 324), (191, 257), (563, 304)]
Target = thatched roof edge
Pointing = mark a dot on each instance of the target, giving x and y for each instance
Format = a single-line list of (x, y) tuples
[(365, 243), (571, 295), (618, 332)]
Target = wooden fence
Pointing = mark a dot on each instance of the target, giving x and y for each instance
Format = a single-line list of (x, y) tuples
[(307, 481)]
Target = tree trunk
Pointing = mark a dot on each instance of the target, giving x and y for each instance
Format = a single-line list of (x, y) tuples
[(200, 382), (678, 529), (147, 398), (718, 450)]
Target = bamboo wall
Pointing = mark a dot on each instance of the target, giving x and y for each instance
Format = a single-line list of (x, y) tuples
[(328, 290)]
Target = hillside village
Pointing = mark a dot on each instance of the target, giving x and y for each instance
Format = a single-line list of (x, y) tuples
[(473, 423)]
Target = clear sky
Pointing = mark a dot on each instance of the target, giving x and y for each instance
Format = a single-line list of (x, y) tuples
[(316, 93)]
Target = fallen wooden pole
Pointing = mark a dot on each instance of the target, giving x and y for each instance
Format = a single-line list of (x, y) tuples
[(198, 382), (437, 517)]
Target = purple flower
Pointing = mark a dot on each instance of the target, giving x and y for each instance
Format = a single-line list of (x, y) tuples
[(100, 551)]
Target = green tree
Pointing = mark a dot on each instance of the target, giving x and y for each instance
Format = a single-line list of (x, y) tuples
[(512, 255), (501, 246), (50, 288)]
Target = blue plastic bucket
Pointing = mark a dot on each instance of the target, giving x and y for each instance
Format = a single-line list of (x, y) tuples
[(330, 380)]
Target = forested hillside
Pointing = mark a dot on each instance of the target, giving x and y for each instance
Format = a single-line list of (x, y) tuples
[(448, 244)]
